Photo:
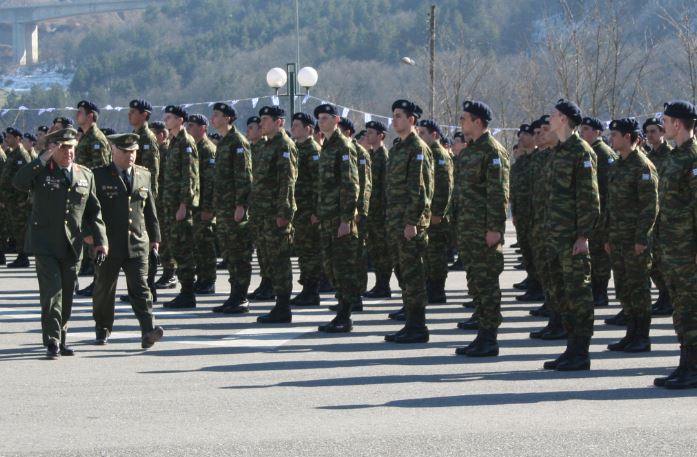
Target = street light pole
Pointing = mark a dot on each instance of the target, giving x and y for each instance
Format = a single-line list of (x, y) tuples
[(277, 78), (432, 61)]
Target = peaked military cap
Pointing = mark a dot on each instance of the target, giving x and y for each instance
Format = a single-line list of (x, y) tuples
[(254, 120), (273, 111), (526, 128), (157, 125), (124, 141), (177, 110), (411, 108), (305, 118), (226, 109), (13, 131), (198, 119), (141, 105), (625, 125), (376, 125), (593, 122), (64, 136), (64, 121), (108, 131), (30, 137), (326, 108), (657, 121), (569, 109), (680, 109), (479, 109), (347, 124), (88, 106), (42, 128)]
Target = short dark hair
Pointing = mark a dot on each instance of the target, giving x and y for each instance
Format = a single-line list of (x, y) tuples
[(485, 123), (689, 124)]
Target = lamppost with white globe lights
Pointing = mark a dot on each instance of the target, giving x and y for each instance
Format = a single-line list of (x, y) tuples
[(277, 77)]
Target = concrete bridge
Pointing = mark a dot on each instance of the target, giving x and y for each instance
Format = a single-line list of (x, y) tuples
[(25, 19)]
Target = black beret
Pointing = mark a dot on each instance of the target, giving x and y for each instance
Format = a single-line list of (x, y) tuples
[(198, 119), (226, 109), (108, 131), (625, 125), (543, 120), (273, 111), (526, 128), (42, 128), (347, 124), (305, 118), (657, 121), (680, 109), (594, 123), (408, 107), (88, 106), (141, 105), (64, 121), (376, 125), (13, 131), (254, 120), (30, 137), (459, 135), (569, 109), (326, 108), (215, 136), (157, 125), (477, 108), (178, 111), (431, 125), (445, 141), (361, 134)]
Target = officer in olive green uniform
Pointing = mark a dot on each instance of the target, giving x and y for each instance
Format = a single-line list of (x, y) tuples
[(659, 155), (439, 229), (627, 225), (338, 193), (377, 242), (128, 209), (275, 170), (204, 222), (307, 234), (180, 192), (409, 194), (63, 203), (14, 201)]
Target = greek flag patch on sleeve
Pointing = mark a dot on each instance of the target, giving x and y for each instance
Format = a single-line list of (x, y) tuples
[(694, 172), (441, 162), (189, 150), (646, 177), (146, 147), (496, 162), (315, 157), (97, 147), (419, 157), (345, 158), (240, 150), (587, 164), (286, 155)]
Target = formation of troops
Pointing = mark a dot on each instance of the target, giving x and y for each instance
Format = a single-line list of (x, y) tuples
[(176, 194)]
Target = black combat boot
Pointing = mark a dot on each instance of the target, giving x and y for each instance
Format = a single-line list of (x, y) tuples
[(342, 322), (629, 336), (556, 330), (415, 330), (542, 311), (236, 303), (325, 285), (600, 297), (280, 313), (662, 306), (533, 292), (578, 358), (185, 299), (87, 291), (65, 350), (309, 296), (205, 288), (620, 319), (484, 345), (399, 315), (3, 259), (640, 341), (522, 285), (470, 324), (682, 365), (382, 287), (167, 280), (687, 378), (22, 261), (264, 292), (436, 291)]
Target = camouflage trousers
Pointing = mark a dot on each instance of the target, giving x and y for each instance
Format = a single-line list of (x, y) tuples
[(340, 261), (181, 239), (379, 248), (236, 244), (437, 251), (484, 265), (306, 243), (17, 216), (524, 236), (165, 250), (408, 258), (600, 261), (656, 270), (632, 282), (362, 254), (680, 272), (274, 244), (204, 247), (262, 257), (4, 231), (570, 287)]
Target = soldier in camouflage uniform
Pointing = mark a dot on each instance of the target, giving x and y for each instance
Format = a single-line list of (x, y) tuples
[(659, 155), (180, 196), (436, 261), (306, 225), (265, 289), (573, 210), (4, 232), (15, 202), (482, 196), (93, 150), (139, 113), (204, 222), (627, 224), (338, 193), (676, 235), (377, 242), (275, 171), (591, 131), (233, 184), (29, 143), (409, 194)]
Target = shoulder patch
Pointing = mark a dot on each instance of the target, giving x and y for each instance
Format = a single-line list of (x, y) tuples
[(419, 157), (211, 161), (146, 147), (315, 157), (694, 172), (646, 176), (286, 155), (345, 157), (189, 150), (610, 160), (97, 147), (587, 164), (441, 162), (240, 150), (496, 162)]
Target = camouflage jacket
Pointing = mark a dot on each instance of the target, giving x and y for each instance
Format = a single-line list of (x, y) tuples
[(538, 186), (275, 170), (233, 174), (442, 181), (366, 178), (206, 173), (378, 174), (149, 155), (338, 183), (16, 158), (660, 156), (93, 150), (308, 174), (181, 180), (606, 157)]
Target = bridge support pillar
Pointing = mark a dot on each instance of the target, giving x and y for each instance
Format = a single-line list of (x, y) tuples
[(25, 42)]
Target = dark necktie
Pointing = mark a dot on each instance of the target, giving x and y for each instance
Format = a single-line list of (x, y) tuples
[(66, 177), (126, 180)]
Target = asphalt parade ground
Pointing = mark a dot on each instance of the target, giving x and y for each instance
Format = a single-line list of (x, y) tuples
[(224, 385)]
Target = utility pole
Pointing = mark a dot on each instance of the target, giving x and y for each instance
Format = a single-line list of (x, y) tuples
[(432, 60)]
